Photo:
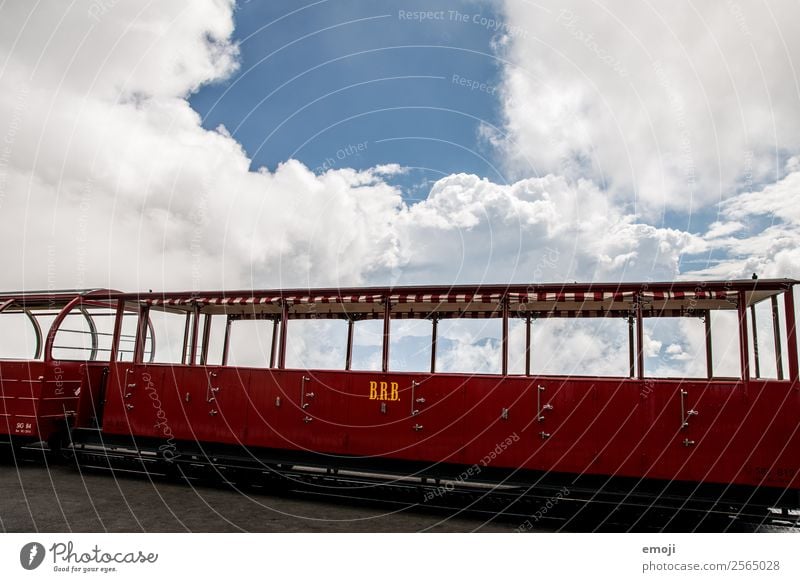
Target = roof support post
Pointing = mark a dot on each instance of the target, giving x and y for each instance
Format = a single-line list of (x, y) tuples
[(386, 321), (195, 334), (744, 349), (776, 332), (348, 359), (528, 345), (754, 323), (274, 346), (631, 348), (434, 342), (709, 347), (504, 350), (117, 333), (282, 342), (186, 329), (791, 335), (206, 336), (226, 343), (141, 334), (639, 339)]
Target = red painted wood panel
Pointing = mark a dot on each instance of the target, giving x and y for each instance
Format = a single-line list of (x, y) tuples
[(499, 427), (601, 426), (619, 424), (37, 398)]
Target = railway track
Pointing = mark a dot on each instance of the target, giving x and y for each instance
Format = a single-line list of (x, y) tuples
[(543, 507)]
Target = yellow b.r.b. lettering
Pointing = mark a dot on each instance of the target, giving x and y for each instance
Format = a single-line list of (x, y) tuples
[(384, 391)]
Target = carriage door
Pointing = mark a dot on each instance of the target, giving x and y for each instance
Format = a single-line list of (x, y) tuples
[(564, 419), (712, 414)]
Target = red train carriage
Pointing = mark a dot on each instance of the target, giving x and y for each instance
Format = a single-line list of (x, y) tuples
[(162, 378), (53, 363)]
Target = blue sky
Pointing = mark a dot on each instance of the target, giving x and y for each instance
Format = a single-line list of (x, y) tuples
[(630, 142), (634, 141), (353, 84), (358, 84)]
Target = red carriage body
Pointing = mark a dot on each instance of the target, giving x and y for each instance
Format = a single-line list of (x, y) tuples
[(726, 431)]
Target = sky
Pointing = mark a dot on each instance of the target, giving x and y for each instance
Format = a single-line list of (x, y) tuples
[(213, 144), (354, 84)]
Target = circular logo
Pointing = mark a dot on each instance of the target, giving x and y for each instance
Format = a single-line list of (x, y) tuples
[(31, 555)]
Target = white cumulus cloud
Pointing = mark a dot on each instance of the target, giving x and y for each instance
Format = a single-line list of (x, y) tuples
[(670, 106)]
